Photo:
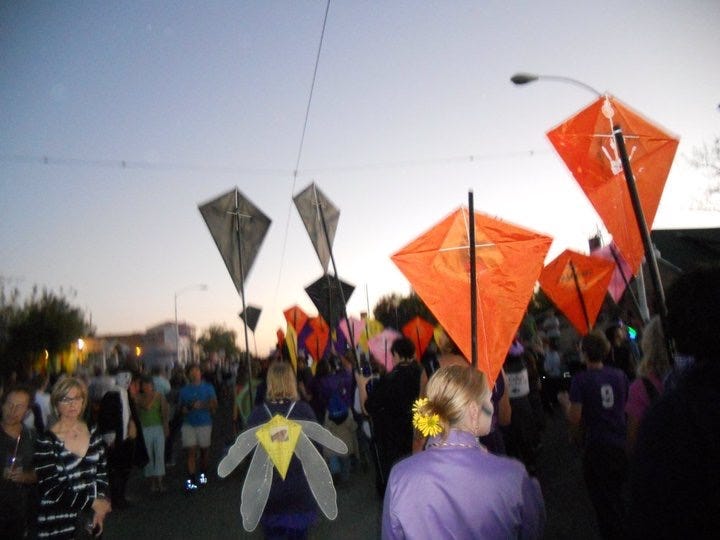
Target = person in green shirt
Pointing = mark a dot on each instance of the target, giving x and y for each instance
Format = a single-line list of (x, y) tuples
[(154, 415)]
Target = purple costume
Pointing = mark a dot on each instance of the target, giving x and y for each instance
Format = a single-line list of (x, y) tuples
[(455, 489)]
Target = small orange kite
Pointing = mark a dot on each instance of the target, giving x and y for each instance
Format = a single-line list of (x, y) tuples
[(317, 341), (577, 285), (420, 332), (296, 318)]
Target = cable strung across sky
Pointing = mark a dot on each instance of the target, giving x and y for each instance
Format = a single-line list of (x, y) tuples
[(237, 169)]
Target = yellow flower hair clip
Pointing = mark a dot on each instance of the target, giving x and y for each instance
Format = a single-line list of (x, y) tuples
[(427, 424)]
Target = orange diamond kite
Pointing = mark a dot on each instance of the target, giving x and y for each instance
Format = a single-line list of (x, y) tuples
[(296, 318), (577, 284), (586, 144), (508, 261), (316, 341)]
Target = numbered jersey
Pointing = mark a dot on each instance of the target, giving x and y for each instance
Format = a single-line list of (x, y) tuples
[(602, 394)]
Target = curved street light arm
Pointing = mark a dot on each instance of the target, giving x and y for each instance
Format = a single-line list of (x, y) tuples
[(526, 78)]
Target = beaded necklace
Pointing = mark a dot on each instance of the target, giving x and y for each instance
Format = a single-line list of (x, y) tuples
[(457, 445)]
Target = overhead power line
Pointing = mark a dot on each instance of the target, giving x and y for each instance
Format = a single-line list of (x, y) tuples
[(259, 171), (300, 149)]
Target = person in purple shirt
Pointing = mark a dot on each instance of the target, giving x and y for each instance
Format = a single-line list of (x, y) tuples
[(597, 403), (455, 488)]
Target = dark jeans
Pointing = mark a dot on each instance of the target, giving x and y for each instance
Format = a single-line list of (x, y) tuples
[(605, 470)]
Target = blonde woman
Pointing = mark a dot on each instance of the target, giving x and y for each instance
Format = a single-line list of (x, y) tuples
[(291, 507), (71, 467), (466, 491)]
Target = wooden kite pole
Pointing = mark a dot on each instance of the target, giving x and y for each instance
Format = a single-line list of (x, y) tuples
[(342, 293), (580, 295), (473, 283), (645, 235), (242, 295)]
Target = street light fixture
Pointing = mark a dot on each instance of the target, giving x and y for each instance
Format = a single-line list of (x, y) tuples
[(526, 78), (197, 287), (650, 256)]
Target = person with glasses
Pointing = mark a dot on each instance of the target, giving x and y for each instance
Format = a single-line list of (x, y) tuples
[(71, 467), (455, 488), (16, 453)]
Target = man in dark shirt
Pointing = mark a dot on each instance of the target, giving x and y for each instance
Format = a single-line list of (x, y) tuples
[(390, 408)]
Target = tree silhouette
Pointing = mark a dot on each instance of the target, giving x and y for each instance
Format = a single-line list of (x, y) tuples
[(218, 339), (396, 311), (44, 322)]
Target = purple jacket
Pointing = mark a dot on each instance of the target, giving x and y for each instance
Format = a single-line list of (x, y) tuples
[(461, 492)]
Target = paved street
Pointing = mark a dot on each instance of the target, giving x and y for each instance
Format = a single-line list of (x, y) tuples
[(214, 513)]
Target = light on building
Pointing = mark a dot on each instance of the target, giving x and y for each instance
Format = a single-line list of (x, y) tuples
[(138, 350)]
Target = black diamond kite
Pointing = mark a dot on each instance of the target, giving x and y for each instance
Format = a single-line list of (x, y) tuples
[(325, 293), (250, 316)]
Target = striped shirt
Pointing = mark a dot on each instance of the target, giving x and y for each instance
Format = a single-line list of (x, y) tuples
[(67, 483)]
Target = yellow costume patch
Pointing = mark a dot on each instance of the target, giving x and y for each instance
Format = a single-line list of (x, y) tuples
[(279, 437)]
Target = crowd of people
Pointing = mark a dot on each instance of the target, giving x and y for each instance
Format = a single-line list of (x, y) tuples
[(647, 423), (68, 453)]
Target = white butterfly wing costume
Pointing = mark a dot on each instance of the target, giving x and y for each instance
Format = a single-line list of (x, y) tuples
[(275, 442), (256, 488), (244, 444)]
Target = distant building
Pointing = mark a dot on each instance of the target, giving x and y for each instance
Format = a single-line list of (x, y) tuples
[(158, 346), (182, 344)]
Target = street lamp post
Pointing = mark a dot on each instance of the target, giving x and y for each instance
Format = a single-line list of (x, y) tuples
[(197, 287), (651, 258)]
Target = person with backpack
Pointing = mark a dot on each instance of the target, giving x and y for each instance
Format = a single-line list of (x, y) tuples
[(337, 391)]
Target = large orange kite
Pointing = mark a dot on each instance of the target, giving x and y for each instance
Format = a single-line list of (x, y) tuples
[(508, 261), (577, 285), (586, 144)]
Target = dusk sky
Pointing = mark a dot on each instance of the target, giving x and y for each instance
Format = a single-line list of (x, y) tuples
[(118, 118)]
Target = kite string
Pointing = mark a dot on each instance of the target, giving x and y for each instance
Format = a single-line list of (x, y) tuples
[(300, 149)]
